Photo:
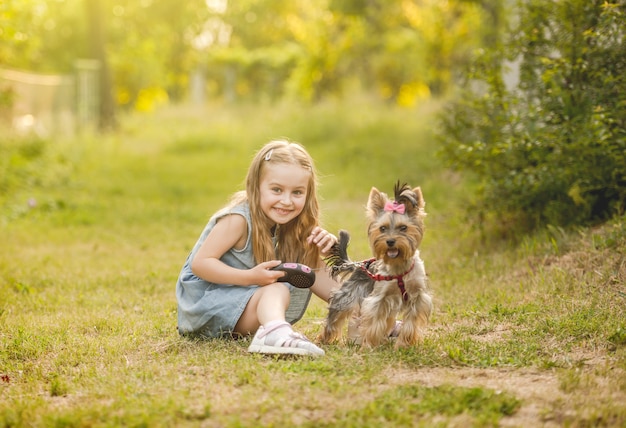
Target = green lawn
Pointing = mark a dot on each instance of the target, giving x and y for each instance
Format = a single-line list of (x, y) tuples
[(94, 230)]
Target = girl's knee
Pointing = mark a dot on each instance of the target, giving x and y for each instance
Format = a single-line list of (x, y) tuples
[(273, 294), (277, 288)]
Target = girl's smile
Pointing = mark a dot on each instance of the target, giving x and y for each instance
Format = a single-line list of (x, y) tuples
[(283, 191)]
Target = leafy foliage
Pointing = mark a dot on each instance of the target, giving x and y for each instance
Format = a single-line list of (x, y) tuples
[(550, 148)]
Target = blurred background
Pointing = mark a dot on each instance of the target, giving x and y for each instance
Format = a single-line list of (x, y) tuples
[(531, 95), (82, 60)]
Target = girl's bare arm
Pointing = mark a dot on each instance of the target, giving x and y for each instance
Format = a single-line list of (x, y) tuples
[(230, 231)]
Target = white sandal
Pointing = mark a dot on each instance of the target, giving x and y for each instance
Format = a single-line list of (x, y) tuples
[(289, 343)]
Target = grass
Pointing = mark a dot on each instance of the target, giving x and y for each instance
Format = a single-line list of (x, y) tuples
[(95, 230)]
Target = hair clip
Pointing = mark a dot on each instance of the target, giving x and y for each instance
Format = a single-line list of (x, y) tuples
[(268, 155)]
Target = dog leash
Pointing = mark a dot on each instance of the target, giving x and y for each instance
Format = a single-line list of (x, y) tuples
[(378, 277)]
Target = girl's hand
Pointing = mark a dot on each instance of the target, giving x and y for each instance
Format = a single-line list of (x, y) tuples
[(323, 239), (263, 275)]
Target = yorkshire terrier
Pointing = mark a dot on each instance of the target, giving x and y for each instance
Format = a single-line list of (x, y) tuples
[(390, 284)]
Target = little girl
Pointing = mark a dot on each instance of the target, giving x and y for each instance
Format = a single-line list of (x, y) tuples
[(227, 287)]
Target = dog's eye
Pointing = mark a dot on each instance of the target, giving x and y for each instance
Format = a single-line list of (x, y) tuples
[(403, 228), (382, 229)]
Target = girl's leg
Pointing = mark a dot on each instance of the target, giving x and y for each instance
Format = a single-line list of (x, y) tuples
[(269, 303), (265, 314)]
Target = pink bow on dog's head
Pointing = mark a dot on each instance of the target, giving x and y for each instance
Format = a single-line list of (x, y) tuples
[(394, 207)]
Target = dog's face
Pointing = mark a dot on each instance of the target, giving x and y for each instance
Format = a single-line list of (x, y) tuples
[(396, 227)]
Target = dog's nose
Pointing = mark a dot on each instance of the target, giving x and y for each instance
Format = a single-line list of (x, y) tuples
[(391, 242)]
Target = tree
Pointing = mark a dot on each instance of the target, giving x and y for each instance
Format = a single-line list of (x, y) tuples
[(551, 148), (106, 116), (400, 50)]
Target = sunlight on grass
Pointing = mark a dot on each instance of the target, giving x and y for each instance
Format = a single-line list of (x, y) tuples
[(93, 241)]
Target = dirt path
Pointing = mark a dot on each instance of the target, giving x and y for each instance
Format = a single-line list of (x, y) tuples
[(535, 389), (543, 401)]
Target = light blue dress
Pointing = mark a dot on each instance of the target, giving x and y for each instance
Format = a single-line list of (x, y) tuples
[(212, 310)]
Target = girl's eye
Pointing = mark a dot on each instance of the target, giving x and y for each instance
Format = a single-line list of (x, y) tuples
[(276, 190)]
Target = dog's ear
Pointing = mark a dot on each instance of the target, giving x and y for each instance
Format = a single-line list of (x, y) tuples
[(419, 198), (375, 203), (417, 207)]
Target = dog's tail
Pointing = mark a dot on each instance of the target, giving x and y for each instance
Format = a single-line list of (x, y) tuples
[(338, 260)]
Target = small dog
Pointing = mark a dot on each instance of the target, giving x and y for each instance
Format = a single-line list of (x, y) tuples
[(393, 282)]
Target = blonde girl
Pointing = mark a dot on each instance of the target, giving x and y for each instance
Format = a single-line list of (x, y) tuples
[(226, 286)]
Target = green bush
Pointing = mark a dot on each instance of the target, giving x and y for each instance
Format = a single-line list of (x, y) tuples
[(550, 148)]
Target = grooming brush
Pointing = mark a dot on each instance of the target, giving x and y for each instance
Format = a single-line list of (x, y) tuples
[(296, 274)]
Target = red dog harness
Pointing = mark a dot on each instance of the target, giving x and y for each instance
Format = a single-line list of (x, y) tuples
[(378, 277)]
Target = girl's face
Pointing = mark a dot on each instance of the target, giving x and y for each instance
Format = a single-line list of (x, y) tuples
[(283, 191)]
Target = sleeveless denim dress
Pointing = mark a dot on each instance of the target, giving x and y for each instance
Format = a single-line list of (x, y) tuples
[(212, 310)]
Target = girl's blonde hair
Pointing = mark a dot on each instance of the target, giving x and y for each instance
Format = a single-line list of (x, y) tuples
[(291, 245)]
